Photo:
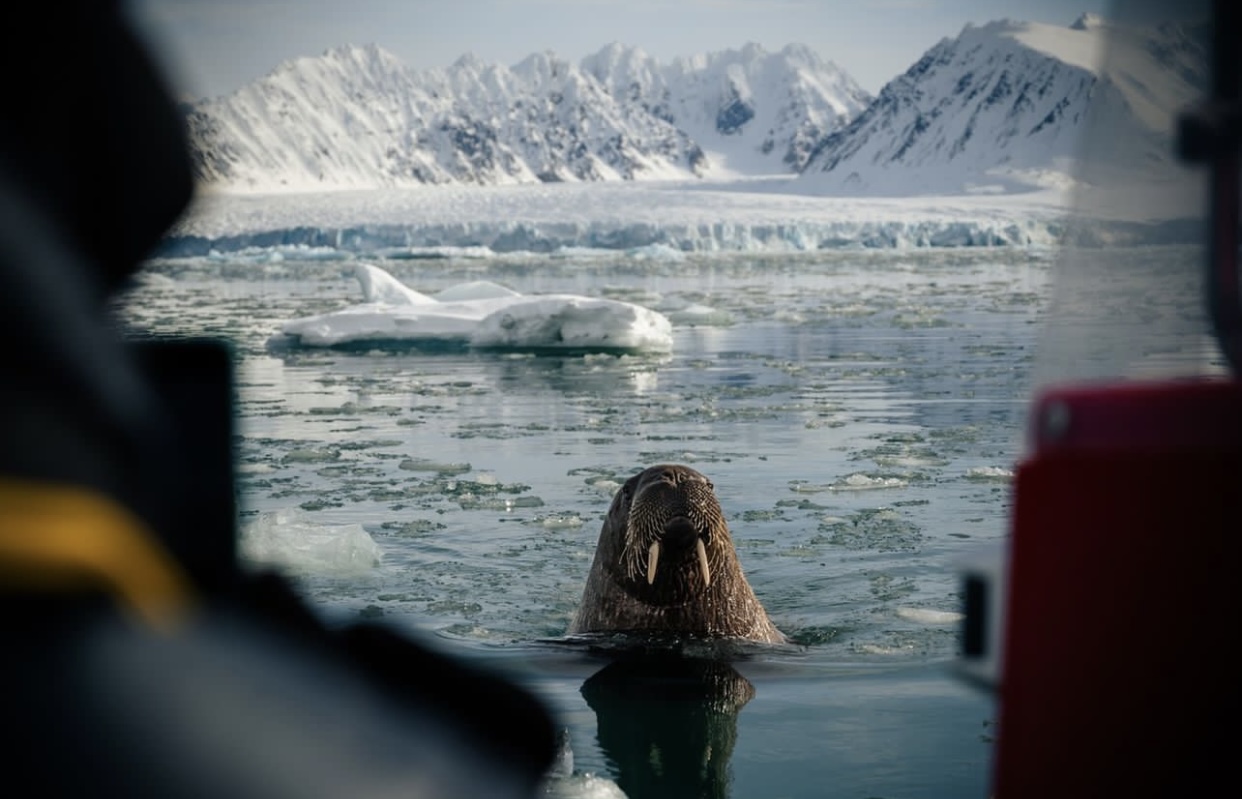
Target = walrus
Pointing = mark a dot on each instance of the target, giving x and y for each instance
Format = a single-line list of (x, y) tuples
[(665, 564)]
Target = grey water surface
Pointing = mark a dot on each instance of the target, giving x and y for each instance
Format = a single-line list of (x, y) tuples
[(859, 413)]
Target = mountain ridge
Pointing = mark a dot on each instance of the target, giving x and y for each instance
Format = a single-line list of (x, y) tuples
[(357, 117), (1003, 106), (1012, 105)]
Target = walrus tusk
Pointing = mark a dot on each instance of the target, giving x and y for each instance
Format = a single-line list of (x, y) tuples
[(703, 566), (653, 555)]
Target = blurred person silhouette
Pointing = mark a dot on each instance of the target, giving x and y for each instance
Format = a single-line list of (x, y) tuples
[(139, 658)]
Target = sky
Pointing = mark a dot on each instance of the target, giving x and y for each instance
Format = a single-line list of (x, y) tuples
[(213, 47)]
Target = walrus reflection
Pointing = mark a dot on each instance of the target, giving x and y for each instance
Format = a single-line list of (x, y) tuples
[(668, 725)]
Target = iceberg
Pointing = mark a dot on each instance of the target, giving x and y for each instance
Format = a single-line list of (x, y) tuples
[(481, 315)]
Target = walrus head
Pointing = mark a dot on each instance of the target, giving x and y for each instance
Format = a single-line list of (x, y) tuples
[(665, 564), (673, 530)]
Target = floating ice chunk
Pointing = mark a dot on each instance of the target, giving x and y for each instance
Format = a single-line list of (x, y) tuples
[(261, 254), (929, 616), (605, 486), (862, 482), (380, 287), (504, 504), (561, 782), (485, 315), (564, 321), (983, 473), (570, 521), (582, 786), (254, 468), (289, 540), (376, 322), (881, 649), (700, 315), (277, 254), (853, 482), (475, 290)]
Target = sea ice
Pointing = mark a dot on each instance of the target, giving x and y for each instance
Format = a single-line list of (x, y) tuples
[(694, 314), (289, 540), (380, 287), (483, 315), (929, 616), (989, 473), (863, 482), (583, 786)]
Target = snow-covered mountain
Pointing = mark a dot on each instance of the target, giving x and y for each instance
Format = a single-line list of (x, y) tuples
[(1005, 105), (358, 117), (753, 112)]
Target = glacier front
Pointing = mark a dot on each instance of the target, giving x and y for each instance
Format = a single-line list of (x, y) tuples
[(650, 218)]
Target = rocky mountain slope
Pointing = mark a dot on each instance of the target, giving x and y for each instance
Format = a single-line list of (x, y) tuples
[(1006, 105), (357, 117)]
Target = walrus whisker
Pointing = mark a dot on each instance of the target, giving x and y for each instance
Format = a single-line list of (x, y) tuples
[(703, 564), (653, 555)]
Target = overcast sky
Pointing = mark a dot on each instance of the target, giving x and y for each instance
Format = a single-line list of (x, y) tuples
[(214, 46)]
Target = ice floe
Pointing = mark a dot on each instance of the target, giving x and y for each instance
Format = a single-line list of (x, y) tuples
[(985, 473), (290, 541), (481, 315), (929, 616)]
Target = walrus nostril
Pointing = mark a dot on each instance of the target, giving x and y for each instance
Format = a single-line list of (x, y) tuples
[(679, 531)]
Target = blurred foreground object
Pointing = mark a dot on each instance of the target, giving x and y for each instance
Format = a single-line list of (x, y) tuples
[(139, 659), (1108, 626), (1117, 678)]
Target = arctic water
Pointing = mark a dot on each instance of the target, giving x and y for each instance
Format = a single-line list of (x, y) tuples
[(860, 414)]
